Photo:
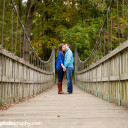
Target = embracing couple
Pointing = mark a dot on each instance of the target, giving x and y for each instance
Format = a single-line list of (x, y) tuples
[(64, 63)]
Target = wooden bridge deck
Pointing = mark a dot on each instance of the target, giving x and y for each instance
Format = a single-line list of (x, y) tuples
[(77, 110)]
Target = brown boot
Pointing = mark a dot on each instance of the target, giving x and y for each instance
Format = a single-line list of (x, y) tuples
[(59, 88)]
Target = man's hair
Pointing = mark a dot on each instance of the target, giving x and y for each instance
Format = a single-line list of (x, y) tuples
[(69, 45)]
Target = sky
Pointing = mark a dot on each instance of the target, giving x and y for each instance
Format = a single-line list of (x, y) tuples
[(24, 0)]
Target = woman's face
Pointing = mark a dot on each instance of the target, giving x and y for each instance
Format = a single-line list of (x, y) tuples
[(63, 48)]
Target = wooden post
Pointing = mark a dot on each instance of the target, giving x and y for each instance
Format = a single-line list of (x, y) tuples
[(119, 97), (53, 64), (1, 81), (75, 63), (109, 73)]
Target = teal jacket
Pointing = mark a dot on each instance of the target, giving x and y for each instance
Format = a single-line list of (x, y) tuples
[(68, 60)]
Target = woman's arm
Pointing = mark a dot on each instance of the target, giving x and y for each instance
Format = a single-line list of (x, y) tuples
[(63, 67), (59, 58)]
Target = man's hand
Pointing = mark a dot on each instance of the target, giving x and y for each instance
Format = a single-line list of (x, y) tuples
[(64, 69)]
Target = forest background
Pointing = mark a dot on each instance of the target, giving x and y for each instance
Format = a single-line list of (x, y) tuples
[(51, 22)]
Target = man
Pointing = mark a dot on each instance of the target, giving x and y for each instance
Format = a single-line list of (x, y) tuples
[(68, 67)]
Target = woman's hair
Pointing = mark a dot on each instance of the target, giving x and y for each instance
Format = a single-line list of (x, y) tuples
[(60, 48)]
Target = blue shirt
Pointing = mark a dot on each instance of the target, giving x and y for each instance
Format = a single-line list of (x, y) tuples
[(59, 60), (68, 60)]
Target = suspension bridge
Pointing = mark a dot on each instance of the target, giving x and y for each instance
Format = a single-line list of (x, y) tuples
[(28, 91)]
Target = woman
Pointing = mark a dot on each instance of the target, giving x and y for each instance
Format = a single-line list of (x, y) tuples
[(59, 62)]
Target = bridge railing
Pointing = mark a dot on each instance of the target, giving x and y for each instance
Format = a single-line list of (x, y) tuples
[(22, 72), (104, 73)]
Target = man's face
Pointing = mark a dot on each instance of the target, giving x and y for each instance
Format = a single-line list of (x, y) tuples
[(66, 46), (63, 48)]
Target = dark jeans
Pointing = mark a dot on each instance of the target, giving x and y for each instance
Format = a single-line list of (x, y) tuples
[(69, 79), (60, 74)]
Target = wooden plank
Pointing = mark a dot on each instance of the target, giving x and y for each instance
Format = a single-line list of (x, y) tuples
[(19, 60), (77, 110), (13, 72)]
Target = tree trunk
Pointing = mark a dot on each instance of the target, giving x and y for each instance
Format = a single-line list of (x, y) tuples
[(28, 26), (20, 8)]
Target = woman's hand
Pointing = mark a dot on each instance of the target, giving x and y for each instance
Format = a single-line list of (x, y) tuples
[(64, 69)]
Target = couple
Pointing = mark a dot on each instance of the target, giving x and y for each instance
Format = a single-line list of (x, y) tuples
[(64, 63)]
